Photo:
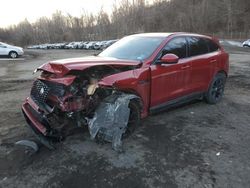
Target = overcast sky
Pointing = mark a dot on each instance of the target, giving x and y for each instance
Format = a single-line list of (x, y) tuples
[(14, 11)]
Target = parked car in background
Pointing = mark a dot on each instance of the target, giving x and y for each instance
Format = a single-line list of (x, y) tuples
[(11, 51), (43, 46), (59, 45), (90, 45), (98, 45), (81, 45), (138, 75), (71, 45), (108, 43), (87, 45), (246, 43)]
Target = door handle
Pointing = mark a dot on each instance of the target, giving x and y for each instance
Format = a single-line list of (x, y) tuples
[(185, 67), (213, 61)]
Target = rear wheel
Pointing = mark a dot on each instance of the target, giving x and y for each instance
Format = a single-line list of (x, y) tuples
[(216, 89), (13, 55), (134, 118)]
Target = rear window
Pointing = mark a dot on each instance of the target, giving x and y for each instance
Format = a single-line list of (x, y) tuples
[(212, 46), (197, 46)]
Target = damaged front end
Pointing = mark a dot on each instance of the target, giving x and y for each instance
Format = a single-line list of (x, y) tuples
[(57, 105)]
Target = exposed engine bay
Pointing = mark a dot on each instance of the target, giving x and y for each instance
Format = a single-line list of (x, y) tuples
[(83, 103)]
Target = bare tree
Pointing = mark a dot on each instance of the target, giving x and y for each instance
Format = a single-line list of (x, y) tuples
[(226, 18)]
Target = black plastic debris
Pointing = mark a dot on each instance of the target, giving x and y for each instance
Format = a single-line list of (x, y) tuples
[(111, 119), (28, 143)]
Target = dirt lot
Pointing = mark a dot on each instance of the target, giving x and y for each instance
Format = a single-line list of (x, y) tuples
[(197, 145)]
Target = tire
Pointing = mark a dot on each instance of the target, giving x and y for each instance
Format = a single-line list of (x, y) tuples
[(216, 89), (134, 118), (13, 55)]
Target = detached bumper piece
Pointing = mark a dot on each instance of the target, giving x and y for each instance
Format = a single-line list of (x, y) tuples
[(33, 117), (38, 123)]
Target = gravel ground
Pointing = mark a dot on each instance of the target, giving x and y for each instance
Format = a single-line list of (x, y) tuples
[(196, 145)]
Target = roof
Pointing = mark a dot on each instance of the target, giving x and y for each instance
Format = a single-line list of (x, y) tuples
[(153, 34), (168, 34)]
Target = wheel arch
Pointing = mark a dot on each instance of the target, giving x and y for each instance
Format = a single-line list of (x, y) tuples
[(138, 99), (222, 72), (12, 51)]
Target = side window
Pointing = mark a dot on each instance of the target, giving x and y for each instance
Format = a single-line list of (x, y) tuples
[(197, 46), (177, 46), (212, 46)]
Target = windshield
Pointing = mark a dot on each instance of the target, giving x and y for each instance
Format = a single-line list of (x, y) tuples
[(133, 48)]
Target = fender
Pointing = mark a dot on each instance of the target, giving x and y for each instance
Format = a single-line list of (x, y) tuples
[(135, 81)]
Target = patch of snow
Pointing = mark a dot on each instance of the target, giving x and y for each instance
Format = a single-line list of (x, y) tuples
[(231, 43)]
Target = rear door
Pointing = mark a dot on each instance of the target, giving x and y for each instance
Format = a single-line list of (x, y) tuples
[(169, 81), (3, 49), (203, 61)]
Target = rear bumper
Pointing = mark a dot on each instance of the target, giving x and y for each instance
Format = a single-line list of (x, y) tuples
[(33, 117)]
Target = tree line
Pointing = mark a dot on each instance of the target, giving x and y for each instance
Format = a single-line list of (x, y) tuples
[(224, 18)]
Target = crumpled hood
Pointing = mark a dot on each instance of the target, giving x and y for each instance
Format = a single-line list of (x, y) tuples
[(62, 67)]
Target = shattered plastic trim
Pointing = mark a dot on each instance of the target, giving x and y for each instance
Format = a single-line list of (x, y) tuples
[(111, 119)]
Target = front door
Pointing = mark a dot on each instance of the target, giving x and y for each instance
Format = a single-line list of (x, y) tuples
[(170, 81), (3, 50)]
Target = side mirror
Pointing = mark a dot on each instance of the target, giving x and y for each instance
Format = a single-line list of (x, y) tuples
[(169, 59)]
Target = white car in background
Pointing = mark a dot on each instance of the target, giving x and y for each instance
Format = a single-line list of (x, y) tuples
[(9, 50), (246, 43)]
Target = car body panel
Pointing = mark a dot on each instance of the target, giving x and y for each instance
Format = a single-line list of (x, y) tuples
[(134, 81), (246, 43), (28, 115), (169, 81), (62, 67), (4, 50), (202, 70)]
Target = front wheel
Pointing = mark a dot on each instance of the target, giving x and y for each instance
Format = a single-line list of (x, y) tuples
[(13, 55), (216, 89)]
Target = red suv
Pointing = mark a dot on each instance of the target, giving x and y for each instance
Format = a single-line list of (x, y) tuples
[(138, 75)]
